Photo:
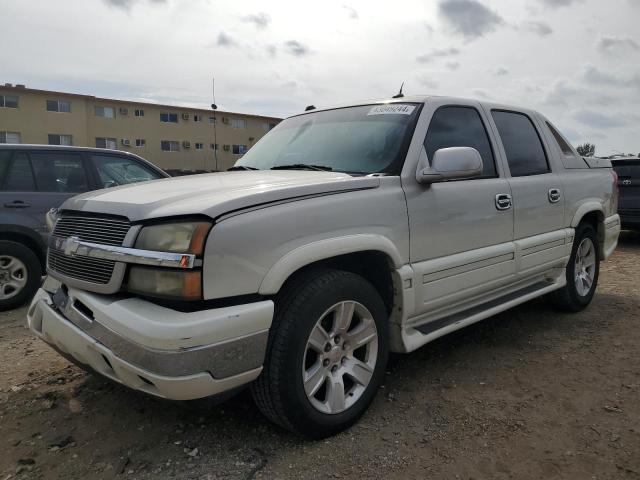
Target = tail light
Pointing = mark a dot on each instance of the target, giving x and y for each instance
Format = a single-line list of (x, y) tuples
[(616, 191)]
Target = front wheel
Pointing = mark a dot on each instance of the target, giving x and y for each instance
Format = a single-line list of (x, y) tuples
[(582, 271), (327, 353)]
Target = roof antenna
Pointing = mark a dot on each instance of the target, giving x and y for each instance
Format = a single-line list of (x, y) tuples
[(399, 94), (309, 108)]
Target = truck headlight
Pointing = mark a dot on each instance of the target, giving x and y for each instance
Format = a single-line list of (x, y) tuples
[(183, 237), (164, 282)]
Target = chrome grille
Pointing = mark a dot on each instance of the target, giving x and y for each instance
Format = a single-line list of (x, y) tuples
[(96, 229), (104, 230)]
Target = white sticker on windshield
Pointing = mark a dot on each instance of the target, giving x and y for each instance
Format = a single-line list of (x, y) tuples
[(392, 109)]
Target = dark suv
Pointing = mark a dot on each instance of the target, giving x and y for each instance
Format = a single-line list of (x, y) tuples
[(35, 178), (628, 170)]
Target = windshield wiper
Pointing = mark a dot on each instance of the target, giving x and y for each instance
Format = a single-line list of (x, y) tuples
[(241, 167), (302, 166)]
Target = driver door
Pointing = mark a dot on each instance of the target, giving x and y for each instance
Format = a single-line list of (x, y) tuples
[(461, 243)]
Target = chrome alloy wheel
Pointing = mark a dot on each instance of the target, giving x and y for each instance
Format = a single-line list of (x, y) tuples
[(340, 357), (13, 276), (585, 267)]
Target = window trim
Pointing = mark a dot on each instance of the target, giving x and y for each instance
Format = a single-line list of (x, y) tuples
[(486, 131), (58, 101), (535, 129), (49, 135), (177, 142), (7, 132), (4, 100), (105, 143), (138, 112), (103, 107), (168, 114)]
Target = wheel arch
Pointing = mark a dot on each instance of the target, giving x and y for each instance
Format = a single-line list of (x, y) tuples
[(26, 237), (593, 214)]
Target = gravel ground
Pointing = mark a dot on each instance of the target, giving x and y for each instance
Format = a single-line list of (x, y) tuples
[(530, 393)]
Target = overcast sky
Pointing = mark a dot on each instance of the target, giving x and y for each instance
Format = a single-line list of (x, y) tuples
[(577, 61)]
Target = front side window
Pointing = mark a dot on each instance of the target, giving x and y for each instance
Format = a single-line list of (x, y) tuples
[(58, 106), (562, 144), (360, 140), (169, 117), (170, 146), (114, 171), (9, 137), (59, 172), (9, 101), (455, 126), (105, 142), (106, 112), (525, 154), (16, 175), (55, 139)]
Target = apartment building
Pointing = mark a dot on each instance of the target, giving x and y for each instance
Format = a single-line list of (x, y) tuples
[(174, 138)]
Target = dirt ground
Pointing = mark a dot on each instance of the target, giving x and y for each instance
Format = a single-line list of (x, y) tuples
[(530, 393)]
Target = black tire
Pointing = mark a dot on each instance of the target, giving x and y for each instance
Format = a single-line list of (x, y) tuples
[(279, 391), (34, 273), (568, 298)]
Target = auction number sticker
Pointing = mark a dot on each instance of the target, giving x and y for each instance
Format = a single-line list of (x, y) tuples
[(392, 109)]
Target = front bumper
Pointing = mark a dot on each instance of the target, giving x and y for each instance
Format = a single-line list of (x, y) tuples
[(170, 354)]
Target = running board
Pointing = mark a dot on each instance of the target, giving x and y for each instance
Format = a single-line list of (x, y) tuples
[(509, 298)]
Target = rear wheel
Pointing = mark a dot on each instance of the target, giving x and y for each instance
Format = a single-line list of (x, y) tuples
[(327, 353), (20, 274), (582, 271)]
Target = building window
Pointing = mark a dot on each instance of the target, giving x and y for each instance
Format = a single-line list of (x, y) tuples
[(9, 101), (140, 142), (59, 106), (214, 146), (212, 119), (102, 142), (55, 139), (268, 126), (239, 149), (197, 117), (9, 137), (238, 123), (199, 146), (139, 112), (106, 112), (169, 117), (170, 146)]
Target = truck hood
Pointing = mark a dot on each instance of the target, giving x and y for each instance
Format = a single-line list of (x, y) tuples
[(214, 194)]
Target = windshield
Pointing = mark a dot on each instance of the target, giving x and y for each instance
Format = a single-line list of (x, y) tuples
[(360, 140)]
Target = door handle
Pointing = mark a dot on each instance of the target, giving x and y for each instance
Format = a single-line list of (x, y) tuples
[(503, 201), (17, 204), (554, 195)]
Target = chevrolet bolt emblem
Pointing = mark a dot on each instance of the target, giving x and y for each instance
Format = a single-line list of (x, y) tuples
[(71, 245)]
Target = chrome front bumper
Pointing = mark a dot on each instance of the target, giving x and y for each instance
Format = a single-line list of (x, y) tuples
[(160, 351)]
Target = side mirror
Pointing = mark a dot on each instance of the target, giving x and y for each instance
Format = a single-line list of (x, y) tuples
[(452, 163)]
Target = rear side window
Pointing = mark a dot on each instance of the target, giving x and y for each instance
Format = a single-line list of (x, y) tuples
[(18, 176), (115, 171), (59, 172), (564, 146), (460, 127), (522, 144)]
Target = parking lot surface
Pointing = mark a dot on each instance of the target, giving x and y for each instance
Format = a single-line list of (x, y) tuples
[(530, 393)]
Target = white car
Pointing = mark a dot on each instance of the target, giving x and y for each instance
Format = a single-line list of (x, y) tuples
[(343, 234)]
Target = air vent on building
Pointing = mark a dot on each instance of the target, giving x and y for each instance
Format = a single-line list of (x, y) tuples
[(226, 148), (20, 85), (125, 141), (186, 144), (8, 85), (185, 116), (124, 111)]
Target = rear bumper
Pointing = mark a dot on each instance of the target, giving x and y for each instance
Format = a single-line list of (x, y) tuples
[(166, 361), (611, 234)]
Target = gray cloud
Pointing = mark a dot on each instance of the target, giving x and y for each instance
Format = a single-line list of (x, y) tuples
[(611, 44), (597, 119), (352, 12), (225, 40), (261, 20), (469, 18), (127, 4), (500, 71), (428, 81), (595, 76), (452, 65), (437, 53), (559, 3), (272, 50), (481, 93), (539, 28), (296, 48)]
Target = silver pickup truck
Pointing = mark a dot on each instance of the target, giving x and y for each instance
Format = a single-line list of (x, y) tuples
[(343, 234)]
